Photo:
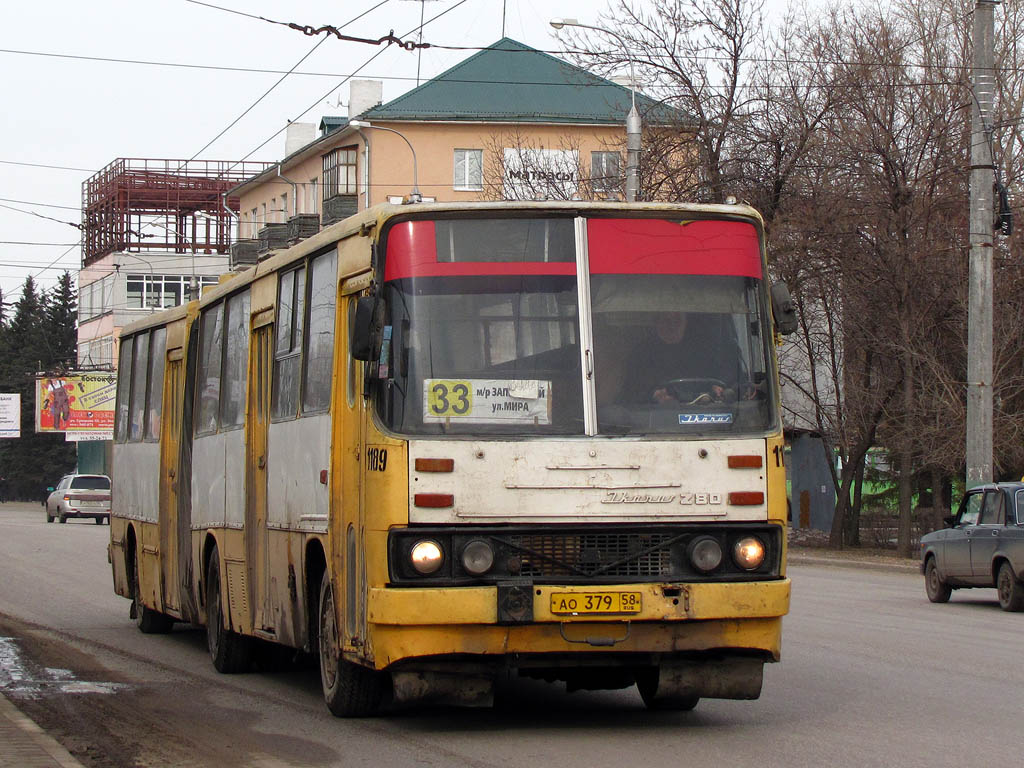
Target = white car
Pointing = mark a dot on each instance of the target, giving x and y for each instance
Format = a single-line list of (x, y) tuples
[(80, 496)]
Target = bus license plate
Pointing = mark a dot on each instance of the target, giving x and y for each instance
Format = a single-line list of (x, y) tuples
[(575, 603)]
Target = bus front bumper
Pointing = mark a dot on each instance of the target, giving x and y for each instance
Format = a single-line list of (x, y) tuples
[(672, 620)]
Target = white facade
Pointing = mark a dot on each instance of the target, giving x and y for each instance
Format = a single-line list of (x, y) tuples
[(123, 287)]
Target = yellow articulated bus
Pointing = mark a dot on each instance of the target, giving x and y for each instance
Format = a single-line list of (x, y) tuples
[(437, 445)]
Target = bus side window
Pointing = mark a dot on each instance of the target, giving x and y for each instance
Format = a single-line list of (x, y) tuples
[(210, 348), (291, 296), (236, 357), (124, 379), (316, 389), (154, 398), (140, 367)]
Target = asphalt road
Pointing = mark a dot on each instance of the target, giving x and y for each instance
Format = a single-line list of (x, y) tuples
[(872, 675)]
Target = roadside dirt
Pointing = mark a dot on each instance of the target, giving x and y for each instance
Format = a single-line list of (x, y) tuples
[(805, 543), (108, 721)]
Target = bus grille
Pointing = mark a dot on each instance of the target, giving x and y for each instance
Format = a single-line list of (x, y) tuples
[(626, 555)]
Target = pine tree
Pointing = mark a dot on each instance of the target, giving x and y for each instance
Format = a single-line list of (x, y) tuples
[(33, 461), (61, 314)]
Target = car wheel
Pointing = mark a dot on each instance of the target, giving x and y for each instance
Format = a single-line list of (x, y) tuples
[(350, 690), (647, 684), (1011, 591), (148, 621), (229, 651), (937, 589)]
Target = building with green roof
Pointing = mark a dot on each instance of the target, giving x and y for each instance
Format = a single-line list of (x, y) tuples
[(507, 122)]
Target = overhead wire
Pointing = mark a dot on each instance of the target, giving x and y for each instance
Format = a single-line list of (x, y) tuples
[(778, 60)]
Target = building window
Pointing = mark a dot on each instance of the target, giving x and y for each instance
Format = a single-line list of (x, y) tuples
[(94, 298), (469, 169), (157, 291), (314, 201), (605, 172), (255, 224), (340, 172)]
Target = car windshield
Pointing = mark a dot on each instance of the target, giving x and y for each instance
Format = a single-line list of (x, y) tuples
[(483, 330), (92, 482)]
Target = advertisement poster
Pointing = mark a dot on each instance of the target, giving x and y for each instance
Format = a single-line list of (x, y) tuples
[(76, 402), (10, 415)]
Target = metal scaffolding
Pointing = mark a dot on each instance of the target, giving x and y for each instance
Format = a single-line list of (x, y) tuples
[(138, 204)]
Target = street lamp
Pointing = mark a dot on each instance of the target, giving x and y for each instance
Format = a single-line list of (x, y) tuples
[(414, 196), (632, 119)]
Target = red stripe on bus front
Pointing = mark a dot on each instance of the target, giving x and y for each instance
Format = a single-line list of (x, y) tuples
[(617, 246), (659, 247)]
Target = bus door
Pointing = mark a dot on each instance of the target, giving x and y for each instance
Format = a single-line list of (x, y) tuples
[(257, 426), (349, 464), (170, 457)]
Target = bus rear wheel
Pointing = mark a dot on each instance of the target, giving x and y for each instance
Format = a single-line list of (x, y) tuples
[(229, 651), (148, 621), (350, 690)]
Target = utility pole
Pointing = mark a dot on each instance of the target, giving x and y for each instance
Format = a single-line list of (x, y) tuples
[(982, 234)]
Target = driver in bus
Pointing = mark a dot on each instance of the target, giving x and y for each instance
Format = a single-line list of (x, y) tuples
[(680, 346)]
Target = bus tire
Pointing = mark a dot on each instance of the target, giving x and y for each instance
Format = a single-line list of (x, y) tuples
[(229, 651), (148, 621), (350, 690), (647, 684)]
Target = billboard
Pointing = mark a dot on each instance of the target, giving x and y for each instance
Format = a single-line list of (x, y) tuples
[(10, 415), (76, 403)]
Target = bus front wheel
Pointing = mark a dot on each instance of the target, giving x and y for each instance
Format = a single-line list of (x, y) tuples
[(350, 690), (229, 651)]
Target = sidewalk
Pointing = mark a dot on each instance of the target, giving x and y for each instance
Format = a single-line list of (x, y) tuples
[(26, 745)]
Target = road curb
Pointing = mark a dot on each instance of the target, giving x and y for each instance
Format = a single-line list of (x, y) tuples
[(26, 745), (904, 566)]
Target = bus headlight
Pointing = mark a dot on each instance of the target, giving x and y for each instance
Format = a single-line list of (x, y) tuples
[(748, 553), (477, 557), (426, 556), (705, 554)]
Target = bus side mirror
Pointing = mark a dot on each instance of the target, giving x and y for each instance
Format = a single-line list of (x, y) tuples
[(783, 309), (361, 334)]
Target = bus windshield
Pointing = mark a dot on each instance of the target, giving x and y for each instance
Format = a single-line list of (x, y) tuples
[(483, 328)]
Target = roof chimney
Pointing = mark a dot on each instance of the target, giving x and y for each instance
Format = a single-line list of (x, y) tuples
[(364, 95), (297, 136)]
